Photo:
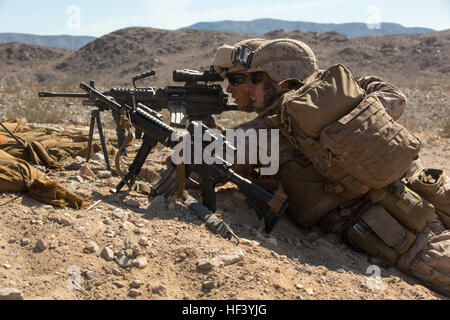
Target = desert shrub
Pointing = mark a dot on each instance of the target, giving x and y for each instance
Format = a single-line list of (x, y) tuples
[(37, 110), (445, 127)]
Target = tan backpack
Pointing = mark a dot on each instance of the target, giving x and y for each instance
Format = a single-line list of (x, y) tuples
[(346, 134)]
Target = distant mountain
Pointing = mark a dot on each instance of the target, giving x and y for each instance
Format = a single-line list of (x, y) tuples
[(63, 41), (262, 26)]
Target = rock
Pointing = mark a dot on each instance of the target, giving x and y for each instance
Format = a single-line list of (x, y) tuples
[(272, 242), (276, 255), (310, 292), (60, 220), (304, 268), (136, 284), (116, 272), (76, 179), (118, 213), (87, 173), (130, 244), (112, 182), (104, 174), (7, 266), (143, 241), (91, 247), (118, 284), (208, 285), (65, 222), (127, 225), (129, 253), (75, 165), (110, 233), (140, 263), (41, 244), (143, 188), (248, 242), (133, 293), (10, 294), (40, 168), (132, 203), (123, 261), (236, 256), (208, 264), (159, 290), (25, 241), (98, 157), (92, 275), (107, 254)]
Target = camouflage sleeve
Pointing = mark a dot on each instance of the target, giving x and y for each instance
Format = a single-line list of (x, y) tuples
[(392, 98)]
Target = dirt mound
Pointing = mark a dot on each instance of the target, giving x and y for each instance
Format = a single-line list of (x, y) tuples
[(24, 64), (118, 56), (114, 58), (23, 55)]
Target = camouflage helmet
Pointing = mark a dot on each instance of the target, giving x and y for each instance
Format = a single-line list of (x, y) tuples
[(284, 59), (223, 61)]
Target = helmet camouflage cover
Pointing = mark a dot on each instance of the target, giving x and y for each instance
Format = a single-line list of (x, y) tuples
[(284, 59), (222, 61)]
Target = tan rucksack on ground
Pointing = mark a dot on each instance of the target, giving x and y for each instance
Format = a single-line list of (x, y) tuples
[(17, 175)]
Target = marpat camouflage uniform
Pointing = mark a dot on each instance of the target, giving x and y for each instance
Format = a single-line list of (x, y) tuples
[(429, 256)]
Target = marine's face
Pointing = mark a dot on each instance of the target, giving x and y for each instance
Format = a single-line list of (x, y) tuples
[(237, 86), (256, 88)]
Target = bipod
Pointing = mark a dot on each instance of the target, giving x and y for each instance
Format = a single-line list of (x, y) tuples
[(136, 166), (95, 117)]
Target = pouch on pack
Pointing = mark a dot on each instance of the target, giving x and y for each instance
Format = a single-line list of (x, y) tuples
[(370, 145), (378, 233), (409, 208), (307, 193), (434, 185)]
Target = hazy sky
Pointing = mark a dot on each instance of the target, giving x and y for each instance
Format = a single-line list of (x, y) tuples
[(99, 17)]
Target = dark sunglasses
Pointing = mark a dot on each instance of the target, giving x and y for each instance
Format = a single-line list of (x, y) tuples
[(236, 79), (256, 77)]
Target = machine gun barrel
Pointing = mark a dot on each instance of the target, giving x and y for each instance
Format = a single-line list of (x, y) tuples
[(46, 94)]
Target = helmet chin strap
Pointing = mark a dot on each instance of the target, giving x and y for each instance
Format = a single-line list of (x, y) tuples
[(249, 106), (270, 91)]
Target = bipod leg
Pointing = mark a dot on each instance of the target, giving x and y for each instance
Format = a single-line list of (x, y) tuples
[(135, 167), (102, 140), (91, 134)]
